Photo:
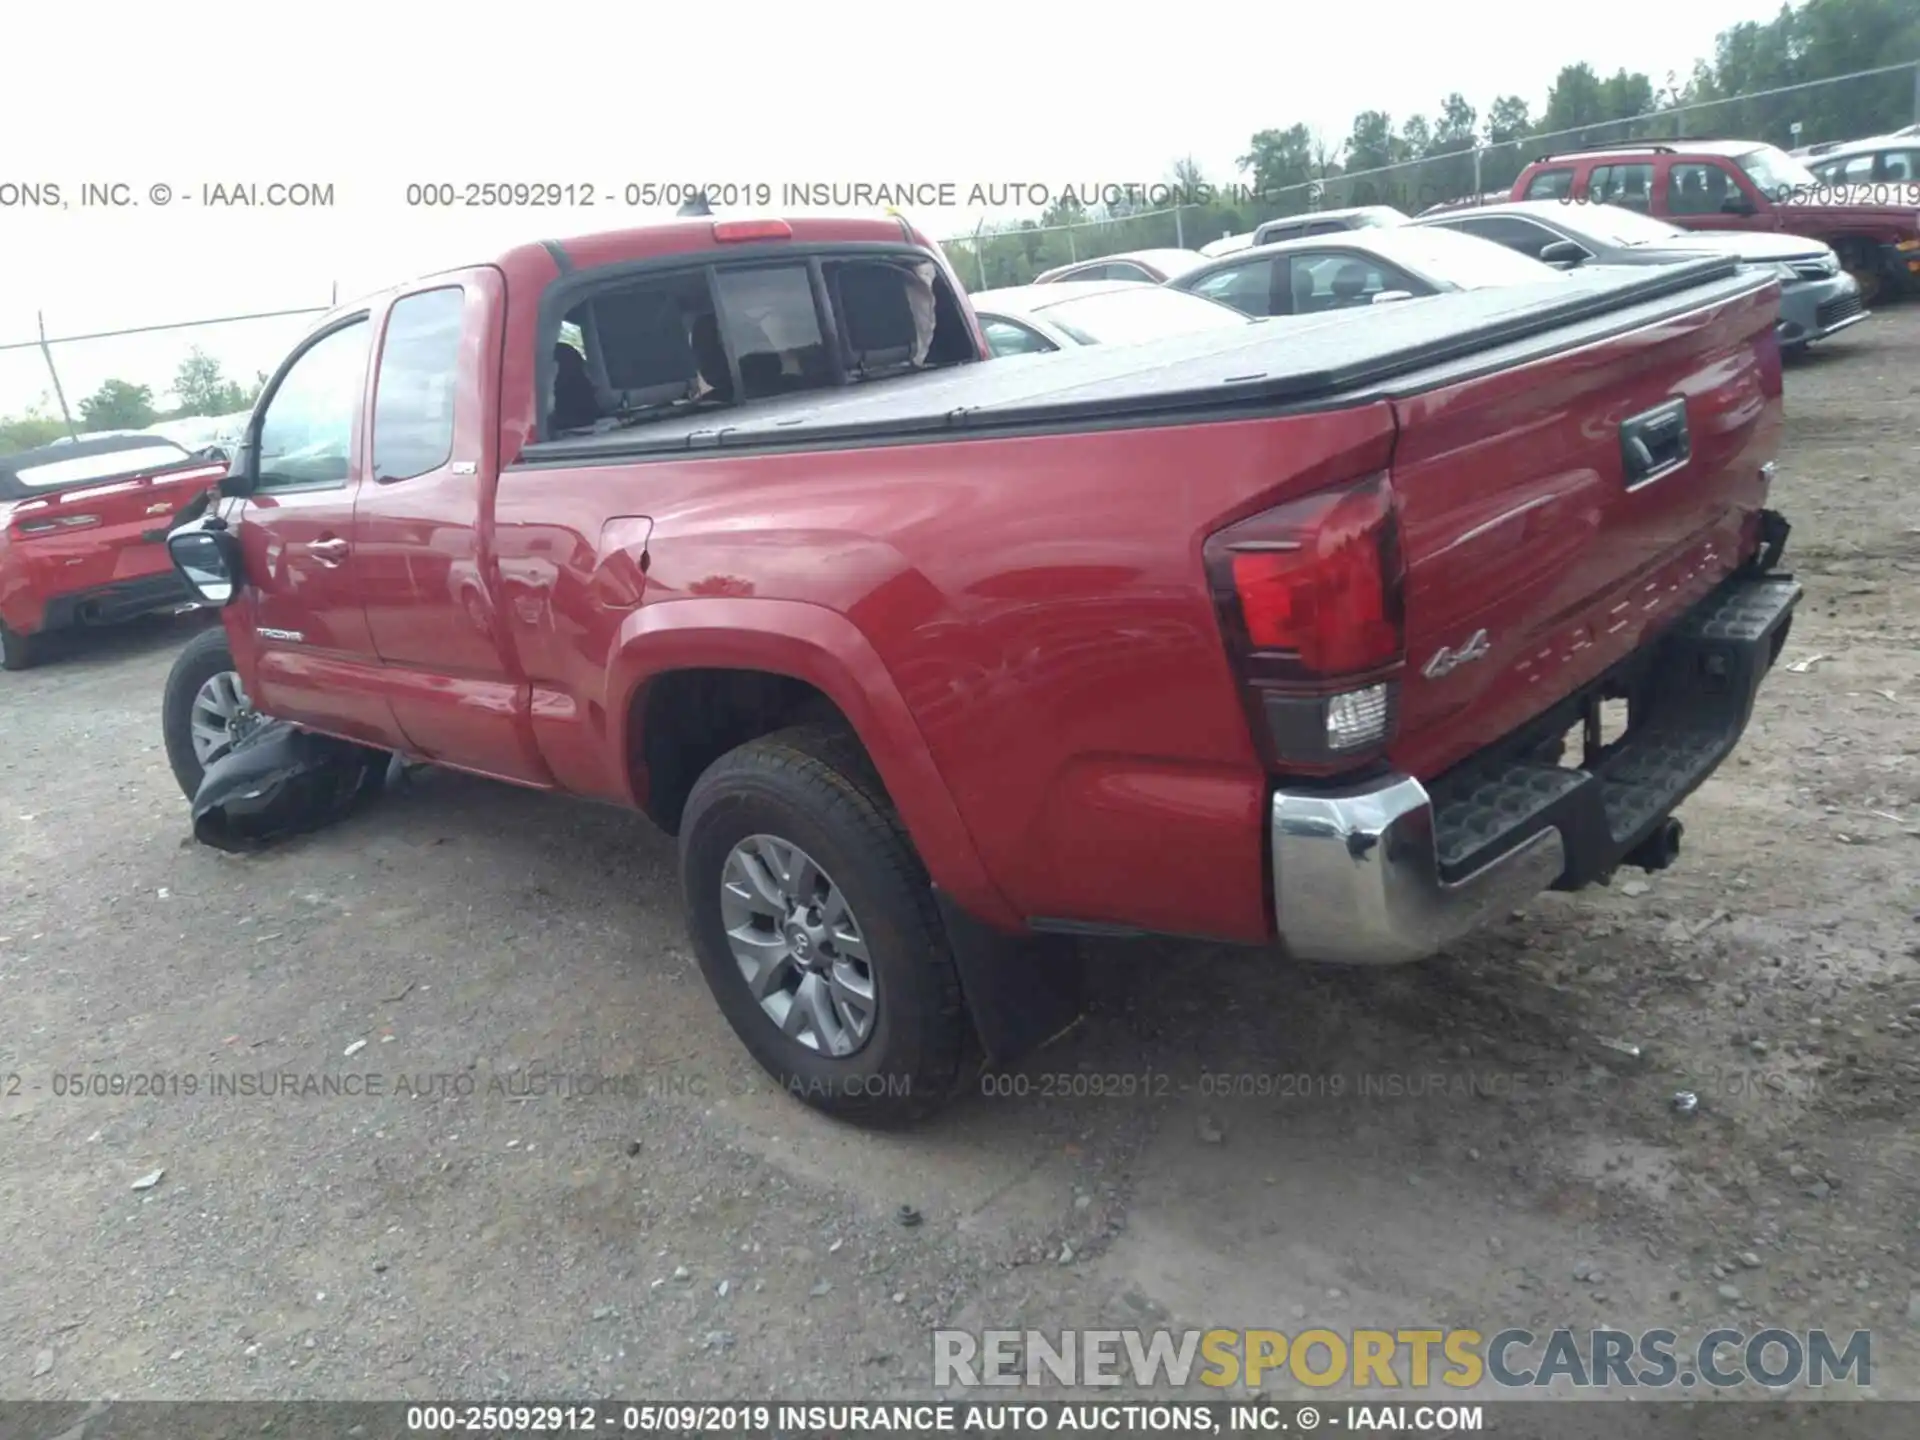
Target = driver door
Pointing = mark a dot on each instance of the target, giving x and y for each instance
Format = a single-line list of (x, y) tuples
[(301, 620)]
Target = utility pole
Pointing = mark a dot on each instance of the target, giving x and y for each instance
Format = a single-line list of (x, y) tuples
[(46, 350)]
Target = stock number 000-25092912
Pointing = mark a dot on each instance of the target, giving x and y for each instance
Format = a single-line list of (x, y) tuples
[(641, 194), (586, 1419)]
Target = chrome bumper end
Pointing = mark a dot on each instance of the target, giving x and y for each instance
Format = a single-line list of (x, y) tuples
[(1356, 876)]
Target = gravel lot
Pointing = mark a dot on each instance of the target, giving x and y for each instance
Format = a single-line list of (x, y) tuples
[(689, 1231)]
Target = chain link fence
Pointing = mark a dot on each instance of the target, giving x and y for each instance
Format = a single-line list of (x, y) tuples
[(242, 345), (1844, 107)]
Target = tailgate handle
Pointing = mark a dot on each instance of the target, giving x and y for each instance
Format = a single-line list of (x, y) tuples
[(1655, 443)]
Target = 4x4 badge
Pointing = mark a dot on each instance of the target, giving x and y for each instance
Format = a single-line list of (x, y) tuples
[(1446, 661)]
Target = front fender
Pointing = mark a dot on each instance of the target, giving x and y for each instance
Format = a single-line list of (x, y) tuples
[(827, 651)]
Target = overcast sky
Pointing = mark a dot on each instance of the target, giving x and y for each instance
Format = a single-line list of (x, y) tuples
[(371, 97)]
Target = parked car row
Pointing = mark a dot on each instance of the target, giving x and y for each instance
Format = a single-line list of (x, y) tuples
[(1818, 298), (1744, 185), (1359, 257)]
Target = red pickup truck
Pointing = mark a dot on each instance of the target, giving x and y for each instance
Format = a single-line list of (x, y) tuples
[(933, 663), (1744, 185)]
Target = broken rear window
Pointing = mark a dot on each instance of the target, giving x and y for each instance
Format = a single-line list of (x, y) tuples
[(638, 349)]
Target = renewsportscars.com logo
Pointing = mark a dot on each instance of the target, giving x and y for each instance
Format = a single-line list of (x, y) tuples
[(1415, 1359)]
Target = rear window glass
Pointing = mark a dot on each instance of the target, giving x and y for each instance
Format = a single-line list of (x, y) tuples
[(1148, 313), (1550, 185), (638, 350), (1463, 260), (52, 474)]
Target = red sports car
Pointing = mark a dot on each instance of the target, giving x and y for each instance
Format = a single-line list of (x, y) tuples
[(85, 524)]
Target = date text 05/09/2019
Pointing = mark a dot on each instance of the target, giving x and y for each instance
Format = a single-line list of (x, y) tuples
[(933, 1418)]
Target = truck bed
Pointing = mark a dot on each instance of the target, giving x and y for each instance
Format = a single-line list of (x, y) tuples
[(1347, 357)]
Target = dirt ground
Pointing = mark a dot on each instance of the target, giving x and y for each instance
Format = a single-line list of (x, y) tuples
[(1458, 1143)]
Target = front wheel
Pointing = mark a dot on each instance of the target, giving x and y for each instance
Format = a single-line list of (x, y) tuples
[(815, 925), (204, 709)]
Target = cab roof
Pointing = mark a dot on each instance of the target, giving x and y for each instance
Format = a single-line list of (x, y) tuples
[(1728, 148), (691, 236)]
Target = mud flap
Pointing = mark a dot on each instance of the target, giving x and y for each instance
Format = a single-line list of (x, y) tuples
[(1021, 991), (281, 781)]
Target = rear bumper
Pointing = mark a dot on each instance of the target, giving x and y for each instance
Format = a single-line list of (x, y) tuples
[(1392, 870), (1357, 881), (122, 600)]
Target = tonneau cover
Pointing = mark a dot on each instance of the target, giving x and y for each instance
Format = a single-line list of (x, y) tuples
[(1283, 362)]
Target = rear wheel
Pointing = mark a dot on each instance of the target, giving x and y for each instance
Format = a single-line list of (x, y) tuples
[(815, 925), (17, 651), (204, 709)]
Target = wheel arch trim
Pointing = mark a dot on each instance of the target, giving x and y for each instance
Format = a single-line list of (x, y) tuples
[(824, 649)]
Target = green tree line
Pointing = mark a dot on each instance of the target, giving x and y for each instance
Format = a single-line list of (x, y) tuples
[(1293, 168), (199, 388)]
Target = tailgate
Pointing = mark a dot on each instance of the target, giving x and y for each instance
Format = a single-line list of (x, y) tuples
[(1557, 514)]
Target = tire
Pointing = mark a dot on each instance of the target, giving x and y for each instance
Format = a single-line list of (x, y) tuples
[(20, 652), (200, 660), (1860, 261), (812, 787)]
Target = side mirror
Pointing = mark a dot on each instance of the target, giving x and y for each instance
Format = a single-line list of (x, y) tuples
[(1383, 296), (1736, 205), (207, 555), (1564, 254)]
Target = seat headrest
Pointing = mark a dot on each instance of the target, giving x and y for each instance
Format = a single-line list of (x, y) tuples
[(1350, 279)]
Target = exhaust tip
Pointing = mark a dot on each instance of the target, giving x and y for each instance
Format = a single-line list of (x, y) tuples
[(1660, 849)]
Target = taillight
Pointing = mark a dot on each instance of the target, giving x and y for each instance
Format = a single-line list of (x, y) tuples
[(58, 523), (1310, 598)]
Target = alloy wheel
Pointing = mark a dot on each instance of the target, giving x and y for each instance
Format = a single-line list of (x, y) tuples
[(799, 947), (220, 715)]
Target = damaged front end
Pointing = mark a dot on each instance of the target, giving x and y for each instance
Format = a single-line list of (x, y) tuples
[(279, 781)]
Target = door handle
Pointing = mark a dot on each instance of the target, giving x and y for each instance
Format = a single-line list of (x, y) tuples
[(327, 552)]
